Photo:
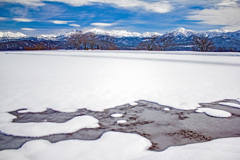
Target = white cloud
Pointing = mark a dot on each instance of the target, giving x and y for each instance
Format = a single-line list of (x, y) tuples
[(161, 6), (225, 13), (23, 20), (60, 22), (74, 25), (28, 29), (3, 18), (101, 24), (228, 3), (26, 2)]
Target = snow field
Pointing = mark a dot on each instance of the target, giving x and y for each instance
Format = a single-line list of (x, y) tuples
[(214, 112), (133, 103), (166, 109), (48, 128), (121, 121), (230, 104), (96, 80), (117, 115), (68, 80), (119, 146)]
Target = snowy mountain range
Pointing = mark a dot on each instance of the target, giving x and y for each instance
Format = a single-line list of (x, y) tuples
[(124, 39), (114, 33), (12, 35)]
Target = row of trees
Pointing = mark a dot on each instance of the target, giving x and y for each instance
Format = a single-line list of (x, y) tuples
[(161, 43), (90, 40), (157, 43)]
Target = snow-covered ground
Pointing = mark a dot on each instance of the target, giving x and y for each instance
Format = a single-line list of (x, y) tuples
[(96, 80), (48, 128)]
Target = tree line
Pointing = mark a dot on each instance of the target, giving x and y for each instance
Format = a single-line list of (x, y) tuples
[(92, 41), (167, 41)]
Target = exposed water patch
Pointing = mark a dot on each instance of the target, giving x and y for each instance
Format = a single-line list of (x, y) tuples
[(173, 127)]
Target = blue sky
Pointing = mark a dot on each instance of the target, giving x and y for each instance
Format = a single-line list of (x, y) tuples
[(34, 17)]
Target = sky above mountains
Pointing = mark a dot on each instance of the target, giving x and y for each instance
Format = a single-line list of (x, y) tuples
[(34, 17)]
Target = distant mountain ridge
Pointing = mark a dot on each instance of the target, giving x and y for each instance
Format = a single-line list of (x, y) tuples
[(115, 33), (223, 40)]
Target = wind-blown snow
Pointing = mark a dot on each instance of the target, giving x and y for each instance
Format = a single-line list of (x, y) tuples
[(214, 112), (48, 128), (122, 146), (230, 104)]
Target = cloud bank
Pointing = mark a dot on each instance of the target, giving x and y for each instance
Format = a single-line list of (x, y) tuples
[(161, 6), (225, 13)]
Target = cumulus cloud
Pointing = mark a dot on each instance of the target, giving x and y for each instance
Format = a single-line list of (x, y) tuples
[(161, 6), (60, 22), (225, 13), (102, 24), (74, 25), (3, 18), (28, 29), (23, 20)]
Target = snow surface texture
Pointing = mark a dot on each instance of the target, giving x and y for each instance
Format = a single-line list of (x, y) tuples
[(122, 146), (48, 128), (97, 80), (214, 112), (230, 104)]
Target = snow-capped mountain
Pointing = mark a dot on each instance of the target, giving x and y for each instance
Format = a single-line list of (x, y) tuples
[(115, 33), (183, 32), (183, 38), (11, 35), (122, 33), (187, 33), (48, 36)]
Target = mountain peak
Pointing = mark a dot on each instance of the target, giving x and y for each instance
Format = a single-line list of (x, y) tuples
[(182, 31)]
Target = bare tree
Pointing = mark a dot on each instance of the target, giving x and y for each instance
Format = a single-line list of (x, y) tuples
[(202, 44), (91, 39), (148, 44), (107, 42), (165, 41), (76, 39), (157, 42), (85, 41)]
